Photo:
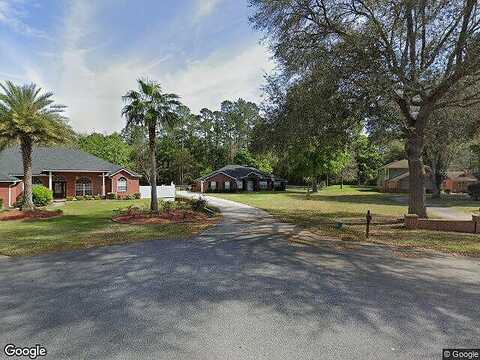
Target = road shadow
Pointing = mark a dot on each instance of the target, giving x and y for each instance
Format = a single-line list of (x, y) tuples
[(163, 296)]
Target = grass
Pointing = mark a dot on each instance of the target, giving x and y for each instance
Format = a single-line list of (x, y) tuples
[(331, 204), (319, 214), (85, 224)]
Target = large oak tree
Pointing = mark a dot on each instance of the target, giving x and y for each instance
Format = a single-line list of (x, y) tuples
[(419, 55)]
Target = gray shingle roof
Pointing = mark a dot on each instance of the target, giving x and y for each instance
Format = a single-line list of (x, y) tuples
[(52, 159), (239, 171)]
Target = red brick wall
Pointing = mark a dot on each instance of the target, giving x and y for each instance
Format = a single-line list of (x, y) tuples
[(133, 183), (71, 179), (15, 191), (4, 193), (465, 226)]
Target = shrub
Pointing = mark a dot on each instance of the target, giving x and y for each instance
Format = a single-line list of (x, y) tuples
[(137, 195), (474, 191), (130, 197), (166, 206), (80, 198), (88, 197), (111, 196), (199, 204), (71, 198), (42, 196), (1, 203), (97, 197)]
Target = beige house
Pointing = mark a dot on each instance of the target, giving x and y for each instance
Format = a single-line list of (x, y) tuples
[(394, 177)]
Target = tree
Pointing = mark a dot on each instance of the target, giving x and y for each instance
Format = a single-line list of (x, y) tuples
[(412, 56), (112, 148), (447, 135), (151, 108), (367, 157), (29, 117)]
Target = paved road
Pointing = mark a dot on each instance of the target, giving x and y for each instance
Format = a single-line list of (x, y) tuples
[(239, 291), (438, 211)]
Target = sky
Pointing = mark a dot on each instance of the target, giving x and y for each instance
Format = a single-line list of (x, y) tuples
[(90, 52)]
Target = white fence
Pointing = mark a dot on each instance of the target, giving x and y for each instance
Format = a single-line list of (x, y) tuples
[(164, 192)]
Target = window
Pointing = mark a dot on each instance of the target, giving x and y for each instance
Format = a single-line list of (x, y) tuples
[(83, 186), (240, 185), (122, 185), (227, 185), (263, 185), (213, 185), (37, 181), (277, 184)]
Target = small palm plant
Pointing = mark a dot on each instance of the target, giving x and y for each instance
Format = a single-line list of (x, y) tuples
[(29, 116), (152, 109)]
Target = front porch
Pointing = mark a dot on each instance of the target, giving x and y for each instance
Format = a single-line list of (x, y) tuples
[(68, 184)]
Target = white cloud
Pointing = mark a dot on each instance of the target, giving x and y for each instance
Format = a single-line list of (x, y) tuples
[(94, 96), (92, 91), (12, 14), (205, 7), (220, 77)]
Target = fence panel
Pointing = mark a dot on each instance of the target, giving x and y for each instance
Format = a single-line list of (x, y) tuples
[(164, 192)]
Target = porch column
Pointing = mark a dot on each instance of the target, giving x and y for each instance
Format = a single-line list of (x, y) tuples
[(103, 184), (50, 181)]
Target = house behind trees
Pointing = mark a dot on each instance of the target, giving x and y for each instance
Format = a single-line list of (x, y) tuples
[(233, 178)]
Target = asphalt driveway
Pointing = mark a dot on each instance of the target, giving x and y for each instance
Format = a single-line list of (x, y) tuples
[(239, 291)]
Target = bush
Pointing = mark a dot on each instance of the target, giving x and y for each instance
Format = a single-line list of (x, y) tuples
[(474, 191), (111, 196), (166, 206), (88, 197), (80, 198), (1, 203), (137, 196), (71, 198), (42, 196), (97, 197), (199, 204), (130, 197)]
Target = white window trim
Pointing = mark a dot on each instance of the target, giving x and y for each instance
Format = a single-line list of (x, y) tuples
[(118, 185)]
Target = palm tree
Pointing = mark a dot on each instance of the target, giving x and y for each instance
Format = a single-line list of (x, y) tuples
[(151, 108), (28, 117)]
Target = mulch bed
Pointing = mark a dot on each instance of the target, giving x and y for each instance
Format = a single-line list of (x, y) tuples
[(173, 217), (29, 215)]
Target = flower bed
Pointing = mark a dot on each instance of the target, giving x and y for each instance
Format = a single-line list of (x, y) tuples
[(176, 216), (29, 215)]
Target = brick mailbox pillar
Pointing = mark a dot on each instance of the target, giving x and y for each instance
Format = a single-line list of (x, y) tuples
[(411, 221), (476, 223)]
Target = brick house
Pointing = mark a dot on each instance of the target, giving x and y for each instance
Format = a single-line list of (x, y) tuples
[(67, 172), (458, 181), (394, 177), (233, 178)]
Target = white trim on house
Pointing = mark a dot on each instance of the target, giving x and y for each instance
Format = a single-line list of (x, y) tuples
[(254, 173), (220, 172), (128, 172), (72, 171)]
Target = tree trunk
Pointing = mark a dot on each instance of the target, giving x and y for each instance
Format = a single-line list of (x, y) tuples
[(26, 146), (416, 199), (315, 185), (341, 182), (152, 135)]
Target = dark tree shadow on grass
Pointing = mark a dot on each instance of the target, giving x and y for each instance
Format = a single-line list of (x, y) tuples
[(165, 296)]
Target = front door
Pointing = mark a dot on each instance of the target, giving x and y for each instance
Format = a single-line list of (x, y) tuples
[(59, 190), (249, 185)]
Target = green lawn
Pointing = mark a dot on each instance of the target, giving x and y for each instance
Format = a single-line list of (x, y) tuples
[(84, 224), (350, 204)]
